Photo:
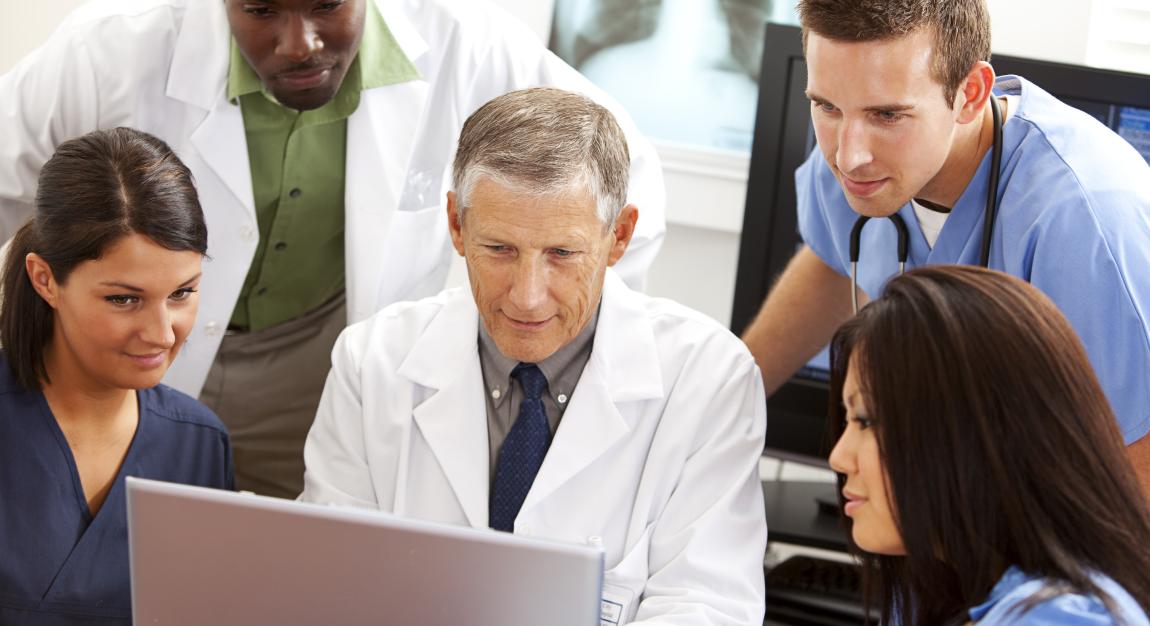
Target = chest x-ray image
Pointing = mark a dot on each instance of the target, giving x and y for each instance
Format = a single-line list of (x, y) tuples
[(686, 70)]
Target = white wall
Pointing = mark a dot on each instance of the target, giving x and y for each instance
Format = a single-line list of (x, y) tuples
[(23, 25)]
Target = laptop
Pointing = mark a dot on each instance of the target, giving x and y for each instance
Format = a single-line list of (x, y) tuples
[(203, 556)]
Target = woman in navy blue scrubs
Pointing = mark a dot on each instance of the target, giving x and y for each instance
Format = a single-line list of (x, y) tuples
[(99, 293)]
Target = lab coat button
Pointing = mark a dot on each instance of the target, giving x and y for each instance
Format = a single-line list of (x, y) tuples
[(212, 329), (248, 233)]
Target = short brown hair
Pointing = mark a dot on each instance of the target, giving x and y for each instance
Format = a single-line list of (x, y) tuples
[(961, 29), (545, 140)]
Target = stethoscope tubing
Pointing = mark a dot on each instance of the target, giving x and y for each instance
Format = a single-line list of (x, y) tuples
[(991, 212)]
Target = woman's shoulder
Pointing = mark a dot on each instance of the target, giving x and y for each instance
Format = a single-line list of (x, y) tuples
[(179, 409), (1021, 598)]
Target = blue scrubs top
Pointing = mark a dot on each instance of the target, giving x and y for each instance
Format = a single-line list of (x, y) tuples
[(1008, 599), (58, 564), (1073, 220)]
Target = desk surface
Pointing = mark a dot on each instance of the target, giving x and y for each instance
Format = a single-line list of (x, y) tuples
[(794, 515)]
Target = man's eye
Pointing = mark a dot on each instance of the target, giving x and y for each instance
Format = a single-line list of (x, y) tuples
[(330, 6), (257, 10), (890, 116), (562, 253)]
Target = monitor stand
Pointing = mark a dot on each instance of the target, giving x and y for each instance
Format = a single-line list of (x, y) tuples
[(804, 513)]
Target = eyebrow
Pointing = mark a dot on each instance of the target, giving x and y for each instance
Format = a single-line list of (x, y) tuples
[(135, 289), (879, 108)]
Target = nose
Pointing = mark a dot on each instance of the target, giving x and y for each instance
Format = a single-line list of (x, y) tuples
[(854, 147), (298, 39), (529, 285), (842, 459), (157, 329)]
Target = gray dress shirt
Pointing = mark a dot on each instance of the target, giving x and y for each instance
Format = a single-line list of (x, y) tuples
[(504, 395)]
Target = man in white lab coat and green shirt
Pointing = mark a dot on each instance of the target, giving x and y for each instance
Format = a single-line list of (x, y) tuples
[(320, 135), (551, 400)]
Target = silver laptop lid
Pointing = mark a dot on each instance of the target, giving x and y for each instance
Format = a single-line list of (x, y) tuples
[(203, 556)]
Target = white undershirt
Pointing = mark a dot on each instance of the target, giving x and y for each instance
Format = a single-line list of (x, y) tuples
[(930, 222)]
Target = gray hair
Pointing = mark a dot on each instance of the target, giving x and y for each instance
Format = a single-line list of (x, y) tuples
[(544, 141)]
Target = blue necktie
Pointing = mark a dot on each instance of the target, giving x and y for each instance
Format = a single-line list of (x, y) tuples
[(523, 450)]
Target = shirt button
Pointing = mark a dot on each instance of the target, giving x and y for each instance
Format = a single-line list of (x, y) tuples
[(495, 393), (248, 233), (212, 329), (295, 192), (562, 398), (281, 245)]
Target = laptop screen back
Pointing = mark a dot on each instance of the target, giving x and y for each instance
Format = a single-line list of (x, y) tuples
[(202, 556)]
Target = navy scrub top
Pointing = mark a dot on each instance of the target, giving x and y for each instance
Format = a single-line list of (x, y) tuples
[(58, 564)]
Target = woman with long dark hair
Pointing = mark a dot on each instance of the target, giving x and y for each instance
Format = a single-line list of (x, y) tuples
[(99, 292), (982, 472)]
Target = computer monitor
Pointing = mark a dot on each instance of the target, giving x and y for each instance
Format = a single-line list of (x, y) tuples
[(784, 137)]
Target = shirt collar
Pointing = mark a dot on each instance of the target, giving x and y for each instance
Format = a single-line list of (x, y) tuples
[(557, 368), (379, 62), (1010, 580)]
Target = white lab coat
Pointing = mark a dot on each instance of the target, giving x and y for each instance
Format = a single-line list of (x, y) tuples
[(657, 452), (161, 66)]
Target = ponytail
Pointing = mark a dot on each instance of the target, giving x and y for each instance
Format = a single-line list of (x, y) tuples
[(25, 318)]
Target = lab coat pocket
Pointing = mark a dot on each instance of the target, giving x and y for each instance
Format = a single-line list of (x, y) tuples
[(417, 255), (624, 583)]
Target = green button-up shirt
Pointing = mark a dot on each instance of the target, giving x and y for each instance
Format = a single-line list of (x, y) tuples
[(297, 162)]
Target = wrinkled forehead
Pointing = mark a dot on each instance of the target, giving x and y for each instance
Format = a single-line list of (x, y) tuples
[(494, 197)]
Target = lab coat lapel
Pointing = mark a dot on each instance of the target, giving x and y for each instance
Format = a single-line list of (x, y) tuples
[(453, 417), (623, 369), (380, 143), (198, 76)]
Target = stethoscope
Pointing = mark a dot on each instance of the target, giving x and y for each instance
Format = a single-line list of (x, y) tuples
[(900, 224)]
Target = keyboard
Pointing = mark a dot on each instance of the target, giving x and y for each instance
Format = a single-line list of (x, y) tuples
[(809, 590)]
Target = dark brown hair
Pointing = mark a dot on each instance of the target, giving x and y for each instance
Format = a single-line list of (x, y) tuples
[(961, 29), (999, 445), (94, 190)]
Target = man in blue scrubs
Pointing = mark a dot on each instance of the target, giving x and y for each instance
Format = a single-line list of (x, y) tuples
[(901, 94)]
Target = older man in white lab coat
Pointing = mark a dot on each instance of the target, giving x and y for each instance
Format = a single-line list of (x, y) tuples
[(552, 400), (320, 135)]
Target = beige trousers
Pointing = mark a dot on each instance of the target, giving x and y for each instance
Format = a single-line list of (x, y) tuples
[(265, 386)]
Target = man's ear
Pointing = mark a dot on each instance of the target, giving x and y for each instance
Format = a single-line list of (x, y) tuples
[(623, 231), (455, 222), (43, 281), (974, 91)]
